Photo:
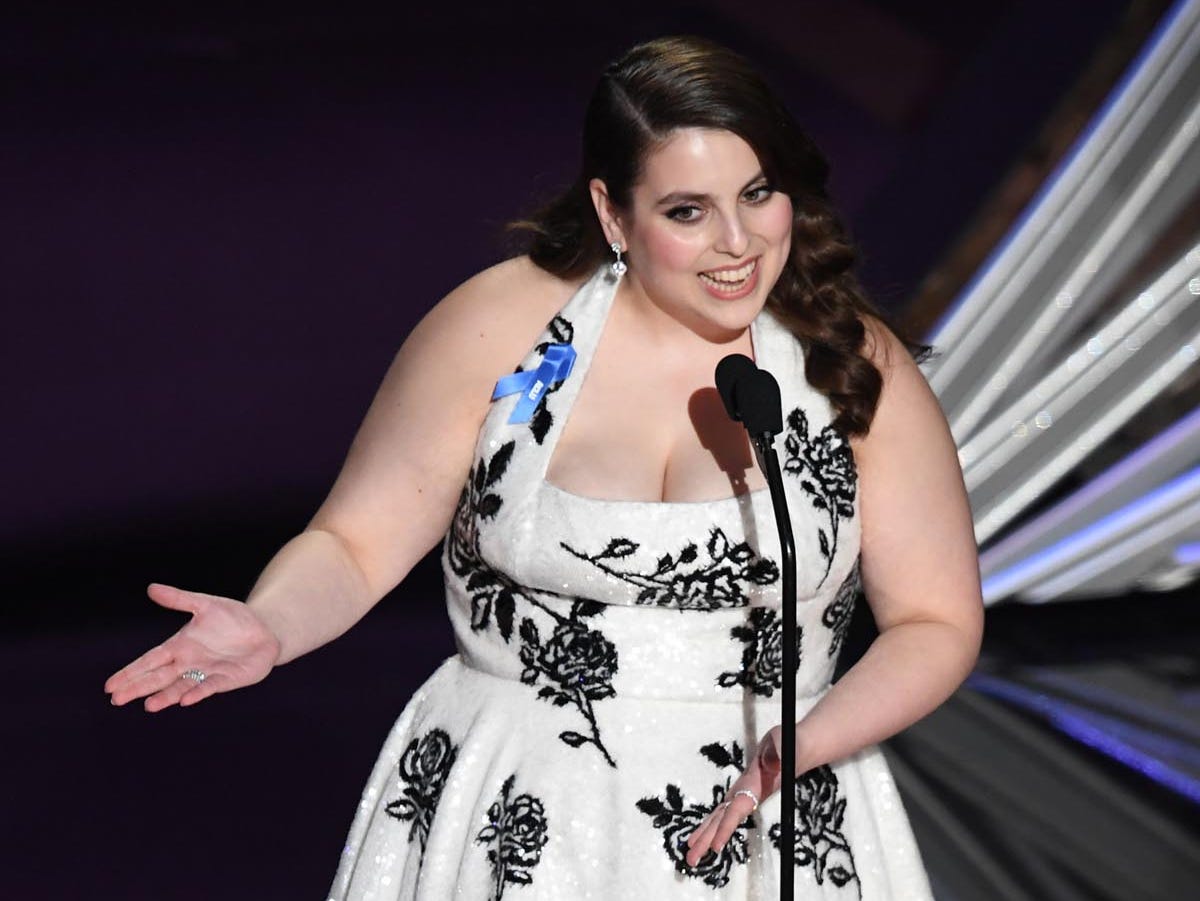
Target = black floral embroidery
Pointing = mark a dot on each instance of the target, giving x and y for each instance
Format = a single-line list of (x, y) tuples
[(492, 592), (676, 819), (838, 614), (424, 768), (825, 466), (686, 580), (820, 843), (575, 666), (576, 663), (762, 658), (561, 332), (515, 836)]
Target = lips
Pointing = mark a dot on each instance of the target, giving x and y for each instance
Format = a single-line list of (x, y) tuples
[(731, 280)]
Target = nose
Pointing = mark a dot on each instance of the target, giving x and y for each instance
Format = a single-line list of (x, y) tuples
[(732, 238)]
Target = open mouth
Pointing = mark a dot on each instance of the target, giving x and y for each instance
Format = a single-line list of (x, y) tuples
[(731, 281)]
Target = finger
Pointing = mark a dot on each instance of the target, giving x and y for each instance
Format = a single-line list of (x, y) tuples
[(766, 780), (768, 755), (201, 690), (175, 598), (739, 808), (705, 827), (765, 771), (151, 660), (700, 841), (145, 684), (168, 696)]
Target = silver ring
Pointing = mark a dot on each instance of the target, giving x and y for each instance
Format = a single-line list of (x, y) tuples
[(749, 794), (194, 675)]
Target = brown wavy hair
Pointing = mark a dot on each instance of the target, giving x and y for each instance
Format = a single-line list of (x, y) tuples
[(688, 82)]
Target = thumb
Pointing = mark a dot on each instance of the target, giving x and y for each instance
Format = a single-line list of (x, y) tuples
[(768, 754), (173, 598)]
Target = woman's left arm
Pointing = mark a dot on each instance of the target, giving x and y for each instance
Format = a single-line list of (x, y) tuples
[(921, 578), (920, 571)]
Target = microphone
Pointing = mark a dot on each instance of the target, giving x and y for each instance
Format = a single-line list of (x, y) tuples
[(751, 397)]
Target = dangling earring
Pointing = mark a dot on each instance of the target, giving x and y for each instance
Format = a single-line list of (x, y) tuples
[(618, 265)]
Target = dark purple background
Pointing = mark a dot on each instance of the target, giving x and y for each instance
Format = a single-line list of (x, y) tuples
[(216, 233), (217, 228)]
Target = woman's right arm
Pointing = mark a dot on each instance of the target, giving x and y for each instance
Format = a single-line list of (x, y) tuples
[(391, 503)]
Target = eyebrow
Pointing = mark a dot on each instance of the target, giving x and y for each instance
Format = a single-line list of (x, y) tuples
[(684, 196)]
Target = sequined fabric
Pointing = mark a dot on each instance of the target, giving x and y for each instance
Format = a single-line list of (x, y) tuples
[(617, 661)]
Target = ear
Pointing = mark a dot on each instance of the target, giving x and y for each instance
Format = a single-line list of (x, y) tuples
[(606, 212)]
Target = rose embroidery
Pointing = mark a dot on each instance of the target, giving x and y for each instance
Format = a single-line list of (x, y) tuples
[(820, 843), (825, 466), (576, 664), (424, 768), (676, 818), (492, 592), (840, 611), (762, 657), (686, 580), (580, 659), (515, 836)]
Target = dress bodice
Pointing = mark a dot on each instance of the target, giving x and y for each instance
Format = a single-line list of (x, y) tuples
[(674, 599), (618, 663)]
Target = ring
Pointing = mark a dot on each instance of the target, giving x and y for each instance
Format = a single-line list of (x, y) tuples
[(194, 675), (749, 794)]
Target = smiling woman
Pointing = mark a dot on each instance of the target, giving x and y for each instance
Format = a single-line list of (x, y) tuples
[(696, 251), (609, 727)]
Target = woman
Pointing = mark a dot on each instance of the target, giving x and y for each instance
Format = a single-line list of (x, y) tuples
[(610, 724)]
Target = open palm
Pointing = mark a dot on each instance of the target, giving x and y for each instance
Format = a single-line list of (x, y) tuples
[(224, 639)]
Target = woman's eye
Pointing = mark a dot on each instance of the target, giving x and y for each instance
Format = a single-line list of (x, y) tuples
[(758, 194), (684, 213)]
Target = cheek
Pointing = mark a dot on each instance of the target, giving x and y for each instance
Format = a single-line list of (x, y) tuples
[(674, 249), (777, 220)]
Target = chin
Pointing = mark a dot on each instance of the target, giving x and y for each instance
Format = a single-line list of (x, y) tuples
[(729, 319)]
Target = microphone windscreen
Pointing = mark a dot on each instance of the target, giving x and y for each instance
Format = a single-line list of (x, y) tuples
[(730, 371), (758, 401)]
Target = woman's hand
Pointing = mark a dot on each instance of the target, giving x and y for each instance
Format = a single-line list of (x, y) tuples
[(224, 639), (762, 778)]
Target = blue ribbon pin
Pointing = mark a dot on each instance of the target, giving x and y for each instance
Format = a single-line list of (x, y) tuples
[(532, 385)]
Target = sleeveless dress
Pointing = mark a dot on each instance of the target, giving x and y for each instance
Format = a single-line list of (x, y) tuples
[(616, 663)]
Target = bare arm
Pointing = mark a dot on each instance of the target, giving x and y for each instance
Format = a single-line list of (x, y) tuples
[(920, 573), (921, 578), (397, 489), (391, 503)]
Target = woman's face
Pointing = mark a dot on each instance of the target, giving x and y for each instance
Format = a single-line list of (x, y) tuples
[(705, 233)]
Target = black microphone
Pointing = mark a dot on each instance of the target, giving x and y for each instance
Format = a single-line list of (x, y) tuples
[(730, 371), (751, 397)]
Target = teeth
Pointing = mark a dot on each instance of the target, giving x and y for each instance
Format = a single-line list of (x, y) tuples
[(730, 277)]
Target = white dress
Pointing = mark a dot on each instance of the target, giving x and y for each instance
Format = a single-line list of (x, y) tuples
[(616, 660)]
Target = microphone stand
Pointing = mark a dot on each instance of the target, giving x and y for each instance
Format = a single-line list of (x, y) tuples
[(751, 397), (768, 461)]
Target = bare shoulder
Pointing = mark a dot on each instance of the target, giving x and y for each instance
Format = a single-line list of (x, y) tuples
[(401, 481), (494, 317), (907, 408), (883, 348)]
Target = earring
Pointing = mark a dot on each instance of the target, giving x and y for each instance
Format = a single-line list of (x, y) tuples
[(618, 265)]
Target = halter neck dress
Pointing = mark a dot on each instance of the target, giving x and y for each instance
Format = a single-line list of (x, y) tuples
[(616, 663)]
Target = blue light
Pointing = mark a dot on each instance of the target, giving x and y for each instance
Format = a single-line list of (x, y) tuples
[(1188, 554), (1045, 561), (1060, 715)]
